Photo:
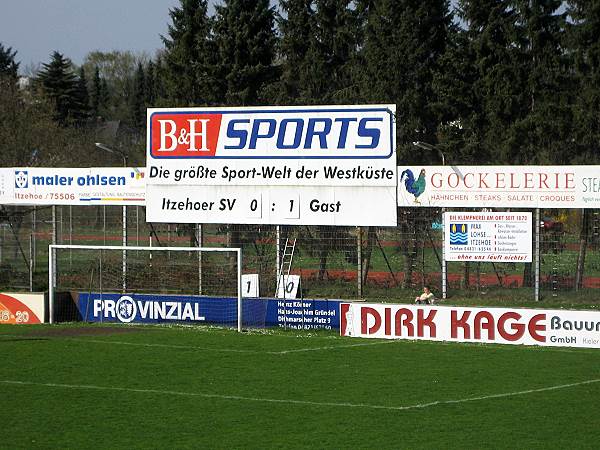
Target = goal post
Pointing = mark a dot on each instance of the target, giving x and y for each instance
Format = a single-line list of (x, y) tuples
[(161, 284)]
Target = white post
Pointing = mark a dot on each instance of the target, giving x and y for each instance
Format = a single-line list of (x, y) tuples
[(124, 251), (33, 228), (200, 242), (54, 241), (70, 233), (277, 252), (537, 254), (51, 278), (239, 288), (444, 265), (104, 224), (31, 262)]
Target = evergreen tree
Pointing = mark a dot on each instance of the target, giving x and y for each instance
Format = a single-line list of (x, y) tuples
[(458, 111), (8, 65), (403, 43), (498, 78), (96, 94), (295, 26), (543, 134), (150, 84), (245, 37), (585, 48), (81, 109), (332, 45), (190, 54), (59, 84), (138, 106)]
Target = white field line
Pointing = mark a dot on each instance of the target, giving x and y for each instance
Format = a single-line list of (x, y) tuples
[(311, 349), (296, 402), (228, 350)]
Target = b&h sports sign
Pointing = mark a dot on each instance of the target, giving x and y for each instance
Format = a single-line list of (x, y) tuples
[(317, 165), (481, 325)]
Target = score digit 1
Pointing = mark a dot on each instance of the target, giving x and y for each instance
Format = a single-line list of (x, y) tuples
[(292, 208)]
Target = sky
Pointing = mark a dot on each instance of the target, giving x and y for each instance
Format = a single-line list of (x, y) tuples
[(35, 28)]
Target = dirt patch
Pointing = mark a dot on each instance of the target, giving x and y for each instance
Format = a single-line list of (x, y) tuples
[(84, 331)]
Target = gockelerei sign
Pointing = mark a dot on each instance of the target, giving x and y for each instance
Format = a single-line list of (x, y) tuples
[(500, 186)]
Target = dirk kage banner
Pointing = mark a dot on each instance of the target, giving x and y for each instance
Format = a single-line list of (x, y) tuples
[(304, 165), (499, 186), (71, 186), (552, 328)]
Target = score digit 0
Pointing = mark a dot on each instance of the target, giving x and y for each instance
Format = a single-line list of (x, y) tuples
[(255, 207)]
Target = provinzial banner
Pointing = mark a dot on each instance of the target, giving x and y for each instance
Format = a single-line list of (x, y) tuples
[(499, 186)]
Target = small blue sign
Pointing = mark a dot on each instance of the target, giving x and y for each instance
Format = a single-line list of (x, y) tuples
[(459, 233), (21, 179)]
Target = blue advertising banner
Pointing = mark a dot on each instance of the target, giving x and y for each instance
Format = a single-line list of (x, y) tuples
[(304, 314), (256, 312)]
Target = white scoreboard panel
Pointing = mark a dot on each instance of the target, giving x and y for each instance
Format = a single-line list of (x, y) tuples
[(327, 165)]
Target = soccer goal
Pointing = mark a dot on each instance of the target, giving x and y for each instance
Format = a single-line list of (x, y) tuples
[(196, 285)]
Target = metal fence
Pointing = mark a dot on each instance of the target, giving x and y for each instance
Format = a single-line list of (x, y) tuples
[(390, 264)]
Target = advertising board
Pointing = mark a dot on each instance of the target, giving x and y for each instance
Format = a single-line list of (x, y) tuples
[(320, 165), (147, 308), (17, 308), (67, 186), (552, 328), (499, 237), (499, 186)]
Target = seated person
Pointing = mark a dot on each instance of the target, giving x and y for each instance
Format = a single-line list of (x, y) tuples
[(426, 297)]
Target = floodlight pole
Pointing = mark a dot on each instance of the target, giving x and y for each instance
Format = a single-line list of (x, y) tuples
[(124, 217), (430, 147)]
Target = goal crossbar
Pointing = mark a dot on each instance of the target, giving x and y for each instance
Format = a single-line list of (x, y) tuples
[(52, 248)]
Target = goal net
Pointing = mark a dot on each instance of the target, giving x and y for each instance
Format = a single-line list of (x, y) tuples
[(197, 285)]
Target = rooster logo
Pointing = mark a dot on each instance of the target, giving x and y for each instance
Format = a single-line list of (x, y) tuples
[(415, 187)]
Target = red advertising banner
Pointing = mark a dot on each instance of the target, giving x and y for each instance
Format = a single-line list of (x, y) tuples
[(557, 328), (22, 308)]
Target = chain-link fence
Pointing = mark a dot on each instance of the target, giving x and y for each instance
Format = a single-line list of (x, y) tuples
[(390, 264)]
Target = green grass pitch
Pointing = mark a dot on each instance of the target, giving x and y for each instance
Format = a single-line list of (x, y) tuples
[(90, 386)]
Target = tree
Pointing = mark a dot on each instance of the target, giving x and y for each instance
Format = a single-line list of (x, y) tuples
[(459, 112), (403, 43), (542, 135), (59, 84), (583, 44), (116, 74), (492, 42), (81, 112), (332, 42), (295, 27), (189, 55), (29, 135), (139, 98), (8, 65), (245, 38), (96, 94)]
